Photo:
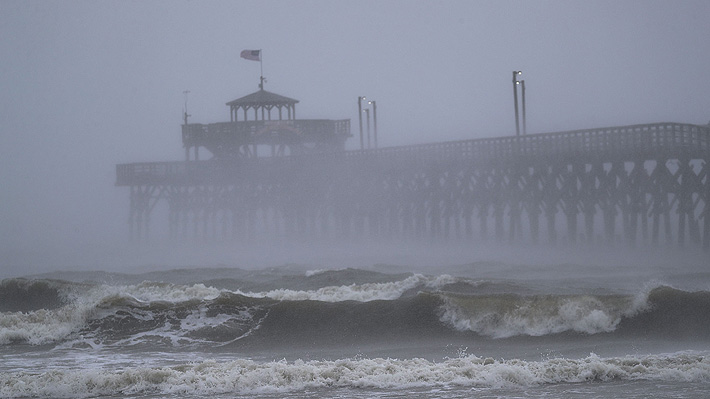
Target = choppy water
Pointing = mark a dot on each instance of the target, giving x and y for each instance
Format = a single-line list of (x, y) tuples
[(388, 332)]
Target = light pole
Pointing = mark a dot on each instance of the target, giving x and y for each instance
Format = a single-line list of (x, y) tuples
[(515, 99), (522, 88), (367, 112), (185, 114), (359, 114), (374, 118)]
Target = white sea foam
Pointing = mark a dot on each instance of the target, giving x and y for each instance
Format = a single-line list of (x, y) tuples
[(357, 292), (310, 273), (46, 326), (244, 376), (150, 292), (506, 316)]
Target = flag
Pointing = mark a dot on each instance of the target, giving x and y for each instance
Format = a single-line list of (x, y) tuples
[(254, 55)]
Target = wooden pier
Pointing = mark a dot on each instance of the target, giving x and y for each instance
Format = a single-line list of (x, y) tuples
[(623, 186)]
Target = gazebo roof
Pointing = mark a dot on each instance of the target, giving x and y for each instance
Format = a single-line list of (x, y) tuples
[(261, 98)]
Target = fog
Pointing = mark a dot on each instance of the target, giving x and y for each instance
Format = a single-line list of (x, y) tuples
[(85, 85)]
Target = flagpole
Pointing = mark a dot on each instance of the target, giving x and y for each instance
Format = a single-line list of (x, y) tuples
[(255, 55)]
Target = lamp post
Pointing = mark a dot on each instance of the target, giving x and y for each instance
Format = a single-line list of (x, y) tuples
[(522, 88), (367, 112), (185, 114), (374, 118), (515, 99), (359, 114)]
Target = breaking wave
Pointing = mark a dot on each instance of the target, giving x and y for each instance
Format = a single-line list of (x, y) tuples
[(504, 316), (415, 305), (358, 292)]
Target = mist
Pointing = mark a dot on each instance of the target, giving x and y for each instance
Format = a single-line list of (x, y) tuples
[(88, 85)]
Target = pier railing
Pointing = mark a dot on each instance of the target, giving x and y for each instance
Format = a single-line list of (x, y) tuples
[(609, 144), (257, 132)]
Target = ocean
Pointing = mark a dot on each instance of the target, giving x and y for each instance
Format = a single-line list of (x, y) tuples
[(485, 329)]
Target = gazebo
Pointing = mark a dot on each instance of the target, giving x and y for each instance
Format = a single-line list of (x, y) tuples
[(262, 102), (282, 133)]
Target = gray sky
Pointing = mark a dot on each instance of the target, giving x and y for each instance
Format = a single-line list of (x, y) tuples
[(88, 84)]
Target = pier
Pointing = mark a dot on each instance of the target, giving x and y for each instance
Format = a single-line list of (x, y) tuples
[(284, 178)]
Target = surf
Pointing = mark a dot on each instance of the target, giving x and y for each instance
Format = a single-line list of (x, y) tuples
[(210, 377), (374, 308)]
